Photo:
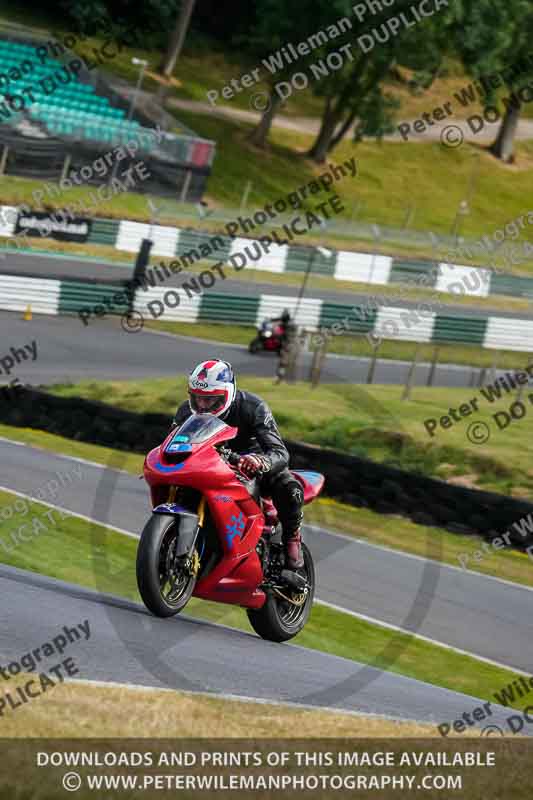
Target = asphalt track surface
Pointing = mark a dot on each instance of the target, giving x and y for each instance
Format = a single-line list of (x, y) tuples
[(487, 617), (214, 659), (68, 351), (127, 645)]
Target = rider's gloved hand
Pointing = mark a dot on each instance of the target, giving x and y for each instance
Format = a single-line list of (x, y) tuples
[(252, 464)]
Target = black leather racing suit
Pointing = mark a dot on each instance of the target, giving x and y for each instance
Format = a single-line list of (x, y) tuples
[(258, 433)]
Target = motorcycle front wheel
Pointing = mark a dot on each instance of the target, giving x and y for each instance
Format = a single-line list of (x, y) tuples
[(284, 614), (255, 345), (165, 584)]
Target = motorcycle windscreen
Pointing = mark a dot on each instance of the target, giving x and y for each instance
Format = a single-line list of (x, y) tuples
[(198, 428)]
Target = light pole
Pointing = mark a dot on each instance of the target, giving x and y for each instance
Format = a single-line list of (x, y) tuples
[(464, 206), (309, 268), (138, 62)]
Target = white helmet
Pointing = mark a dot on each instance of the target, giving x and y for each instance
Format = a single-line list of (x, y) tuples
[(211, 388)]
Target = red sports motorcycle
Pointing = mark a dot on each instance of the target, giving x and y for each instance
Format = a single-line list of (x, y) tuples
[(269, 337), (212, 536)]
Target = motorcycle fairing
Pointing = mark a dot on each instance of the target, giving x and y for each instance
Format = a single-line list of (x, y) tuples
[(240, 523), (312, 483), (170, 508), (237, 518)]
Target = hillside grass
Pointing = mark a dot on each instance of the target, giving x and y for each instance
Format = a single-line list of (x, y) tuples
[(392, 176), (396, 171), (422, 181)]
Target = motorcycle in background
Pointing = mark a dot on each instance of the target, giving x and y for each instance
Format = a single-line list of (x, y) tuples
[(269, 337), (211, 535)]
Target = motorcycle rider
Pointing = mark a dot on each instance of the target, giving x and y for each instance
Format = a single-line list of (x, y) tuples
[(213, 390), (285, 323)]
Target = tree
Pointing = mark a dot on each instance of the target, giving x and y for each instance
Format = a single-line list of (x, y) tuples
[(281, 23), (177, 38), (494, 40), (95, 16), (356, 94)]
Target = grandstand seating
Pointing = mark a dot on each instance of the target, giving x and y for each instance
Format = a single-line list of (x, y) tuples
[(79, 121), (71, 109)]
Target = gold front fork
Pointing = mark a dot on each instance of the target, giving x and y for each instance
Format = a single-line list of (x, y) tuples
[(201, 515), (201, 512)]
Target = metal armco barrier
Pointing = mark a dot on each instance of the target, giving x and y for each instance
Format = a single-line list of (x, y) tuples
[(194, 246), (50, 296)]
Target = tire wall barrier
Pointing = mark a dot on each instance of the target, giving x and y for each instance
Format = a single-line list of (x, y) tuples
[(352, 480)]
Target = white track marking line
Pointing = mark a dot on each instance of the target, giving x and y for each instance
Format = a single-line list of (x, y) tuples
[(312, 527), (407, 632), (67, 457), (351, 539), (425, 559), (71, 513), (195, 339), (245, 699)]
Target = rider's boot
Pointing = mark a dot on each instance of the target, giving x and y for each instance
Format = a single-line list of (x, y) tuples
[(293, 550)]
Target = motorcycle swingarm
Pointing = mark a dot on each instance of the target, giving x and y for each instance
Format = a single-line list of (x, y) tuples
[(188, 526)]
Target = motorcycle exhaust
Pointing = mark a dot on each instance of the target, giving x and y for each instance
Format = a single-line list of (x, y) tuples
[(295, 581)]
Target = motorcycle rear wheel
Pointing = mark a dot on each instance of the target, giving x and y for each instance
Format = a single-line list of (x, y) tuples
[(279, 620), (165, 591)]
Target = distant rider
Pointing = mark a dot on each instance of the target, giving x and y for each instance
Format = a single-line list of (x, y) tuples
[(285, 323)]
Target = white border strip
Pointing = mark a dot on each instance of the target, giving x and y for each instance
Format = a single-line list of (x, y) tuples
[(70, 513), (247, 699), (435, 642)]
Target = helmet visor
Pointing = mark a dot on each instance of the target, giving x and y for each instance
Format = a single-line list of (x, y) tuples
[(207, 402)]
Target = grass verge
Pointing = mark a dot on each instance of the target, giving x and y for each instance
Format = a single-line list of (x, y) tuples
[(98, 558), (75, 710)]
